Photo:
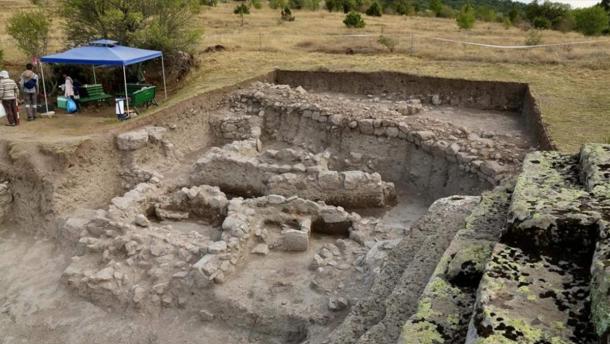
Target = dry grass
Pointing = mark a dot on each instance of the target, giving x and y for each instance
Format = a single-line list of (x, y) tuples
[(571, 83)]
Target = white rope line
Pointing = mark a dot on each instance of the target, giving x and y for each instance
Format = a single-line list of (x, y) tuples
[(495, 46), (515, 46)]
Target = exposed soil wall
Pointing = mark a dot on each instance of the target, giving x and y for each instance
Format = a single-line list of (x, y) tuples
[(50, 180), (533, 121), (486, 95)]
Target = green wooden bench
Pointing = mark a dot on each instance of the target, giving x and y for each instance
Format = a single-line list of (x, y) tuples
[(143, 97), (93, 94)]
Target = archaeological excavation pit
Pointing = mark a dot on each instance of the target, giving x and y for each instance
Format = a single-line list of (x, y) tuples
[(321, 207)]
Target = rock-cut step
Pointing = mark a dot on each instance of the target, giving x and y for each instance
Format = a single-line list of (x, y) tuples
[(536, 287), (445, 307), (526, 298)]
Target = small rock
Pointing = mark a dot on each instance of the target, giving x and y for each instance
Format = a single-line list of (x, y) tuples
[(436, 100), (217, 247), (206, 315), (337, 304), (142, 220), (261, 249)]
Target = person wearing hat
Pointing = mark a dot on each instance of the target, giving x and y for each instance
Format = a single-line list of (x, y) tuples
[(9, 92)]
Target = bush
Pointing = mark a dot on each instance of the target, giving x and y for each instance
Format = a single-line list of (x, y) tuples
[(436, 6), (210, 3), (567, 23), (241, 10), (405, 8), (591, 21), (312, 5), (466, 18), (353, 19), (446, 12), (506, 23), (296, 4), (349, 5), (287, 14), (374, 10), (136, 22), (275, 4), (31, 31), (388, 42), (486, 13), (541, 23), (534, 37)]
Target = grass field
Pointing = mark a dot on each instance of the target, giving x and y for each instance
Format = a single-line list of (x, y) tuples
[(571, 83)]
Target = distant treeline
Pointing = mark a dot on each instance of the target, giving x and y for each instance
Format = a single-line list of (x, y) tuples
[(537, 14)]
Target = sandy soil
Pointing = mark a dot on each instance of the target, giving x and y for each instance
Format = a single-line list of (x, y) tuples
[(35, 307)]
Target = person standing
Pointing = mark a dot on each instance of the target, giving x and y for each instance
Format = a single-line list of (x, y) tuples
[(29, 88), (69, 91), (9, 92)]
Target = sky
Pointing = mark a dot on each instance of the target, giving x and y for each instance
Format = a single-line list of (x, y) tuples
[(573, 3)]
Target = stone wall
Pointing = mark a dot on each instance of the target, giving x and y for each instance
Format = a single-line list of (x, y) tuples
[(496, 95), (439, 158), (486, 95), (241, 169)]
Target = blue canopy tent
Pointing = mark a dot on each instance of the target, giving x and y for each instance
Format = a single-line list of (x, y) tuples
[(104, 53)]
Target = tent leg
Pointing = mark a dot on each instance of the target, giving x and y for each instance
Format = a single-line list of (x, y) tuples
[(44, 87), (126, 96), (94, 77), (163, 69)]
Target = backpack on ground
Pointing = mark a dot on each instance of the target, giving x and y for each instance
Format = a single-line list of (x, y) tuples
[(30, 84)]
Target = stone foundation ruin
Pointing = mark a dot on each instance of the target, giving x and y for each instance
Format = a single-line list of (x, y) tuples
[(319, 207)]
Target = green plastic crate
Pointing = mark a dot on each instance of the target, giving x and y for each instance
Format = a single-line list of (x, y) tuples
[(62, 102)]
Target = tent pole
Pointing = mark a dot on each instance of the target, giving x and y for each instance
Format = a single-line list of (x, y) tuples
[(126, 96), (44, 87), (163, 68), (94, 77)]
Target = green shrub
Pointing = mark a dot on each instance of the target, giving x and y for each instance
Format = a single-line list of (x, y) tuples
[(136, 22), (349, 5), (296, 4), (312, 5), (486, 13), (287, 14), (241, 10), (210, 3), (534, 37), (30, 30), (388, 42), (436, 6), (275, 4), (353, 19), (466, 18), (506, 23), (374, 10), (591, 21), (405, 8), (446, 12), (567, 23), (541, 23)]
